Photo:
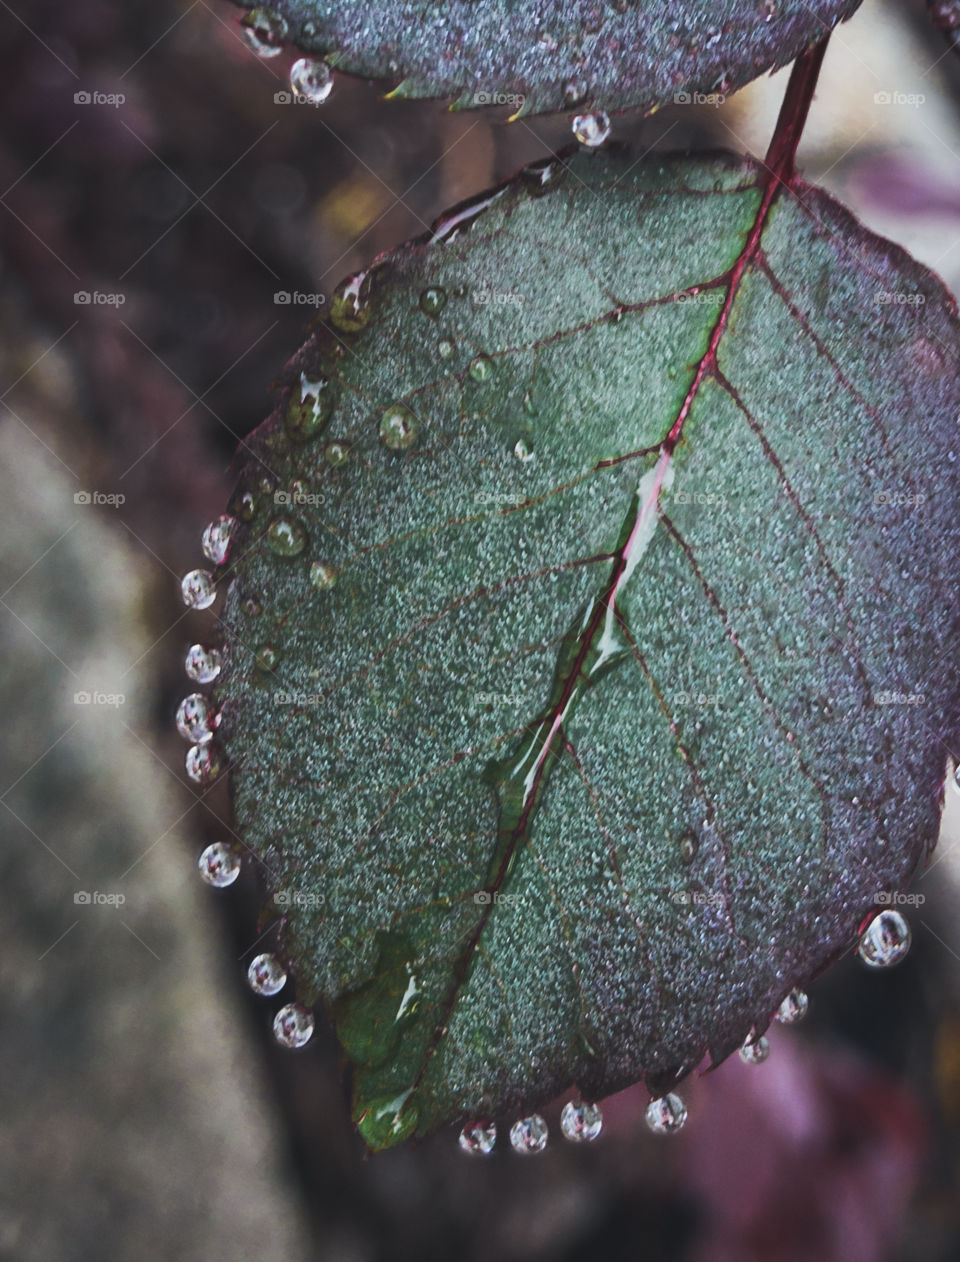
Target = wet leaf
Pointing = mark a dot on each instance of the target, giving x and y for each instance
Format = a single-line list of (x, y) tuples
[(533, 57), (591, 657)]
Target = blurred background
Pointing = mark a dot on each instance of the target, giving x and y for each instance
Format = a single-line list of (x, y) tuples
[(146, 1111)]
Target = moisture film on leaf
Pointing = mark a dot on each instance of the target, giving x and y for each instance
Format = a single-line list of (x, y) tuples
[(534, 57), (590, 656)]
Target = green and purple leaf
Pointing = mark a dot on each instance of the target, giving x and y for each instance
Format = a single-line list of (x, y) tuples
[(591, 654), (536, 57)]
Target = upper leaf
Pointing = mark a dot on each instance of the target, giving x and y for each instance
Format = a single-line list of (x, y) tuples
[(540, 55), (591, 649)]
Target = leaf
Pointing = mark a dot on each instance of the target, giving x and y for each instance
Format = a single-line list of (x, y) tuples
[(591, 642), (534, 56)]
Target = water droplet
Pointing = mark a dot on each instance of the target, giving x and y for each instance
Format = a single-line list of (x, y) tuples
[(293, 1026), (202, 763), (688, 848), (478, 1137), (286, 537), (266, 657), (793, 1008), (445, 348), (481, 368), (540, 177), (202, 664), (666, 1114), (349, 307), (219, 865), (885, 941), (311, 79), (398, 428), (246, 506), (322, 575), (217, 537), (581, 1122), (266, 975), (755, 1051), (522, 451), (309, 408), (194, 719), (336, 453), (575, 91), (592, 130), (264, 31), (433, 300), (198, 589), (529, 1134)]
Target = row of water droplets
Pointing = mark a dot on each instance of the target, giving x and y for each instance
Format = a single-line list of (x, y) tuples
[(883, 943), (196, 720), (311, 80)]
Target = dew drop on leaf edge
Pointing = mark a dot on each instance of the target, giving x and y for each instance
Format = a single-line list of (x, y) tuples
[(478, 1138), (311, 79), (885, 941), (266, 975), (219, 865), (581, 1122), (666, 1114), (293, 1026), (529, 1134)]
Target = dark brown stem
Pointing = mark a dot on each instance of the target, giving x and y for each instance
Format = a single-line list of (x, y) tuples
[(793, 113)]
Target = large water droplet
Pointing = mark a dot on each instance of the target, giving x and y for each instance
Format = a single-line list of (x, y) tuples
[(478, 1138), (529, 1134), (266, 657), (433, 300), (592, 130), (219, 865), (322, 575), (523, 451), (311, 79), (755, 1051), (349, 307), (688, 848), (246, 506), (666, 1114), (202, 664), (481, 368), (336, 453), (885, 941), (293, 1026), (309, 407), (194, 719), (793, 1008), (445, 348), (202, 764), (286, 537), (217, 537), (581, 1122), (198, 589), (266, 975), (264, 31), (398, 427)]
